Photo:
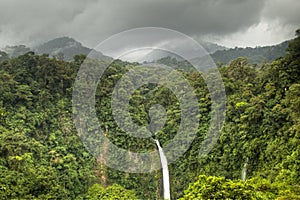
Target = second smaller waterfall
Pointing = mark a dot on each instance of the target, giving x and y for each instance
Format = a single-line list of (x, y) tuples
[(244, 171)]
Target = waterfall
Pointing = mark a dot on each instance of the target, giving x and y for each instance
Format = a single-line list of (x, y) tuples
[(165, 171), (244, 171)]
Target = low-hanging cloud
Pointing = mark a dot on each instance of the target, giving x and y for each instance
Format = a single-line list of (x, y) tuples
[(91, 21), (287, 12)]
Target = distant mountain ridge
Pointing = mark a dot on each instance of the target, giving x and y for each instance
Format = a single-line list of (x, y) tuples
[(66, 47), (212, 47), (219, 54), (63, 45), (255, 55), (15, 51), (158, 54)]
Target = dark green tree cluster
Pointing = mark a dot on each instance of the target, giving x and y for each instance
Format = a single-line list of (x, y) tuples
[(211, 187), (41, 155), (97, 192)]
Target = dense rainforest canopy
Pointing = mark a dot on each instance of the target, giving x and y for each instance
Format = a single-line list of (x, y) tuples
[(42, 157)]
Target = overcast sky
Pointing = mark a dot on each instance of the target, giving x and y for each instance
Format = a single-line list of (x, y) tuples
[(226, 22)]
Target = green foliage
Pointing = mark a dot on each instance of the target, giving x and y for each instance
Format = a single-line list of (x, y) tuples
[(219, 188), (97, 192), (42, 157), (210, 187), (256, 55)]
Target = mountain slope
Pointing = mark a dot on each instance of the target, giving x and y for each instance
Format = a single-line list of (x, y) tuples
[(65, 48), (158, 54), (15, 51), (255, 55), (3, 56)]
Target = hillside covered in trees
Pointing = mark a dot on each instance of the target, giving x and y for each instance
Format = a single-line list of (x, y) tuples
[(42, 157), (257, 55)]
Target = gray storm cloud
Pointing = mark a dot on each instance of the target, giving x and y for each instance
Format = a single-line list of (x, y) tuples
[(287, 12), (33, 21)]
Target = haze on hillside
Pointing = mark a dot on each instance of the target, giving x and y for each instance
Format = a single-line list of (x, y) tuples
[(225, 22)]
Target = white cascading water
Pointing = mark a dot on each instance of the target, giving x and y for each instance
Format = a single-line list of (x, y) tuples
[(165, 170), (244, 171)]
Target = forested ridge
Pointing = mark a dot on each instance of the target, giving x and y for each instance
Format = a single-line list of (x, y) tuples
[(42, 156), (255, 55)]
